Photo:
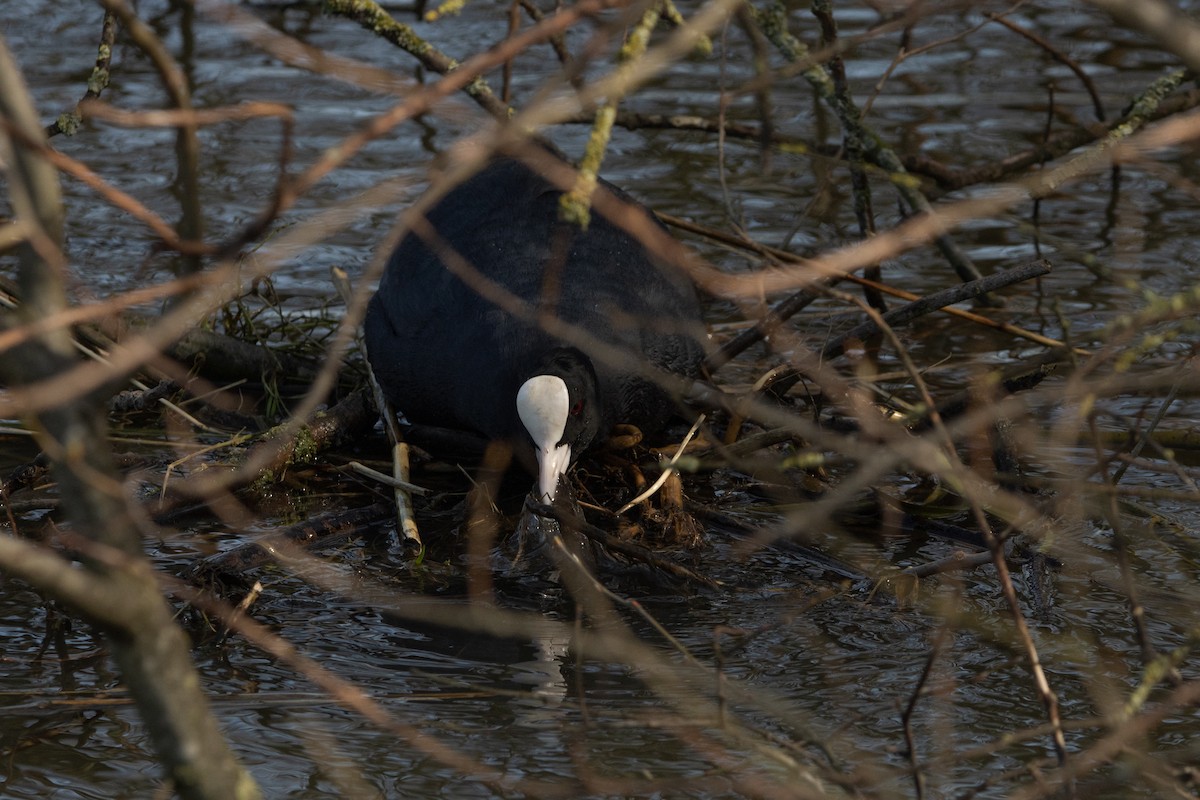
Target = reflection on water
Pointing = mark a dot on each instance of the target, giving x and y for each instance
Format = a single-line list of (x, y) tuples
[(831, 658)]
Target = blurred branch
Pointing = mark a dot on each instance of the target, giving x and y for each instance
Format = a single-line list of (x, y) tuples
[(1059, 144), (195, 118), (1058, 55), (191, 220), (794, 303), (246, 25), (151, 651), (1173, 29), (170, 237), (554, 108), (1122, 145), (347, 693), (415, 103)]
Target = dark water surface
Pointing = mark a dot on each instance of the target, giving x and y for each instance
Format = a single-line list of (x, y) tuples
[(830, 658)]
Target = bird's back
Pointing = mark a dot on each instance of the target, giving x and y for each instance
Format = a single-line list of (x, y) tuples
[(451, 331)]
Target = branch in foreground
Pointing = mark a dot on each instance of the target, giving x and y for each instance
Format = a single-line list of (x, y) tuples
[(1170, 27), (936, 302), (150, 649)]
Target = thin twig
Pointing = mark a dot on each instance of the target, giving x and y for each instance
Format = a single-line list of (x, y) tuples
[(191, 221), (667, 469), (406, 523), (1088, 84), (773, 23), (910, 740), (387, 480)]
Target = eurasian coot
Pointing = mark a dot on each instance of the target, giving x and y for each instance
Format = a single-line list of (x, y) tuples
[(454, 337)]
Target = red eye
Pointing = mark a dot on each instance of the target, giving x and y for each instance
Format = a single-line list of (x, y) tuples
[(577, 409)]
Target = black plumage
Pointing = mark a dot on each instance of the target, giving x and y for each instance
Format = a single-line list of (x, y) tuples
[(450, 354)]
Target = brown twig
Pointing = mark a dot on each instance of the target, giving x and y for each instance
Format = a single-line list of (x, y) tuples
[(1166, 23), (1041, 683), (191, 221), (1058, 55), (170, 237)]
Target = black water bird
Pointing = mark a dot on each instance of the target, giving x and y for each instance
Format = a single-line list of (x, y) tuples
[(453, 333)]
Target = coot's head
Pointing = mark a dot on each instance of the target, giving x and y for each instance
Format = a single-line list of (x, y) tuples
[(560, 409)]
